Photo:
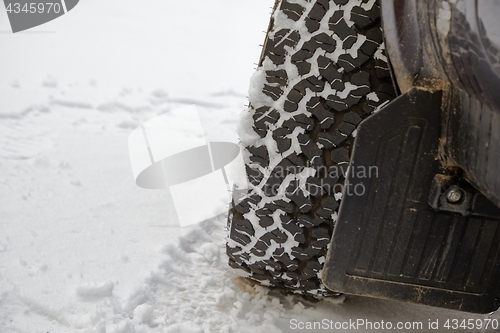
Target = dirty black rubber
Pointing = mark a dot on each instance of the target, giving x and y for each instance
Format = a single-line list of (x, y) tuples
[(323, 70)]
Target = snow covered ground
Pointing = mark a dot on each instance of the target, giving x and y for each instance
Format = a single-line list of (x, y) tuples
[(82, 249)]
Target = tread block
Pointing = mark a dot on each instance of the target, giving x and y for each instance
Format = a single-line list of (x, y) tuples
[(272, 91), (349, 42), (304, 254), (346, 128), (326, 140), (312, 25), (309, 148), (325, 42), (290, 106), (292, 10), (361, 78), (281, 132), (303, 67), (349, 63), (263, 119), (279, 236), (317, 12), (240, 238), (340, 155), (276, 59), (323, 115), (363, 18), (244, 226), (336, 103), (307, 221), (280, 77), (300, 120), (381, 69), (314, 84), (244, 207), (302, 55), (341, 29), (287, 207), (294, 96), (283, 144), (314, 187), (328, 207), (259, 155), (298, 197), (352, 118), (273, 264), (254, 175), (328, 69)]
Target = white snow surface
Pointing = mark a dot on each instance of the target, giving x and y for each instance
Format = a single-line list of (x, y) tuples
[(82, 249)]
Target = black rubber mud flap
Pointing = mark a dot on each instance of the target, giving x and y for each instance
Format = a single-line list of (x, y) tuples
[(388, 241)]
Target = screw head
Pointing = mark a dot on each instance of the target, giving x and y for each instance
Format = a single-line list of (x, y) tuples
[(496, 303), (454, 195)]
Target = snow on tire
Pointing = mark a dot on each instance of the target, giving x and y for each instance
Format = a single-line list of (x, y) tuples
[(322, 71)]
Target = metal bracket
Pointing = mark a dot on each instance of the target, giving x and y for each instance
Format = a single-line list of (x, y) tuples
[(448, 194)]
